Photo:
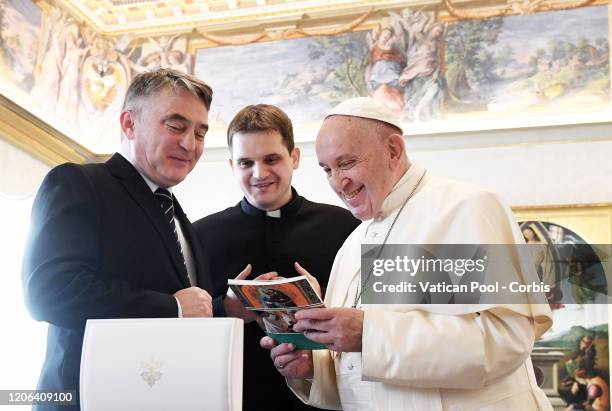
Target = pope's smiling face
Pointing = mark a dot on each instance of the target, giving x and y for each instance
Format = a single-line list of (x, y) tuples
[(263, 167), (356, 163)]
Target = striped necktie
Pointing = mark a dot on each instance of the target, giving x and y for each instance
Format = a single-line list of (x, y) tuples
[(166, 203)]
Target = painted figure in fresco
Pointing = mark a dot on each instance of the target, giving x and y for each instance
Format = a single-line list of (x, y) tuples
[(104, 77), (421, 76), (585, 388), (68, 97), (404, 71), (584, 356), (78, 70), (387, 59), (178, 60), (48, 72), (20, 35), (545, 257), (588, 391), (598, 390), (574, 393), (161, 54), (580, 264)]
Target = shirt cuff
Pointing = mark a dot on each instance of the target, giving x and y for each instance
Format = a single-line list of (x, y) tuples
[(218, 308), (180, 310)]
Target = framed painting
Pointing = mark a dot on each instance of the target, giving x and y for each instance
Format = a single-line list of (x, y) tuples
[(572, 358)]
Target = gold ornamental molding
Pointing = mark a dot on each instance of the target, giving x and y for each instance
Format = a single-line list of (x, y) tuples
[(559, 207), (163, 17), (593, 222), (514, 7), (24, 130), (156, 17), (284, 34)]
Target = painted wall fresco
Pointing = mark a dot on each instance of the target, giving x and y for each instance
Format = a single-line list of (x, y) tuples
[(20, 22), (433, 75), (75, 77), (552, 61), (303, 76)]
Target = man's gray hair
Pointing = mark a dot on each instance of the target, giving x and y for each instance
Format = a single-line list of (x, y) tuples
[(151, 82)]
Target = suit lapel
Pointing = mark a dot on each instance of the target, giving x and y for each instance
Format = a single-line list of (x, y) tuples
[(140, 192)]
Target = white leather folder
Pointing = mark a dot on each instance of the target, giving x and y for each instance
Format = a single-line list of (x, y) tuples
[(162, 364)]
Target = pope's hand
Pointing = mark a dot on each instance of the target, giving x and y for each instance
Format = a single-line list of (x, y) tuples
[(233, 306), (291, 363), (340, 329)]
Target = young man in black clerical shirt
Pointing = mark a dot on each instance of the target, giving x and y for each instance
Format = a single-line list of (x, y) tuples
[(271, 229)]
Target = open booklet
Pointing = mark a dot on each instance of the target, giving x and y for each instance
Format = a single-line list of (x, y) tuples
[(276, 302)]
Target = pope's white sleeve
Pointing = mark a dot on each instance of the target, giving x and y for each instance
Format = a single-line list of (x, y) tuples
[(427, 350), (321, 391)]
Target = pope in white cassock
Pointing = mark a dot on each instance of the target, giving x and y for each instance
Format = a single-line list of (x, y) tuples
[(408, 356)]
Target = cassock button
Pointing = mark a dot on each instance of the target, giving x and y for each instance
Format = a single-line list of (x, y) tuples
[(351, 366), (373, 234)]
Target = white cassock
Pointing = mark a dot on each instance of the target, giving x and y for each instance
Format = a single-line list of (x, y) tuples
[(432, 357)]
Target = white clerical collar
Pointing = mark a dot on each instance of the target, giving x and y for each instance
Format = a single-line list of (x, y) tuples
[(274, 213), (401, 190), (147, 180)]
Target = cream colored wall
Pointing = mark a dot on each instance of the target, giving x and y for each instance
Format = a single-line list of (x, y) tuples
[(552, 166), (537, 166), (20, 173), (23, 349)]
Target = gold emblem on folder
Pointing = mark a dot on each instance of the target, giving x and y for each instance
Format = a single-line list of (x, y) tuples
[(151, 371)]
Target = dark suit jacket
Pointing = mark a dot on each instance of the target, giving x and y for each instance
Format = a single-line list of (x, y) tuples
[(99, 247)]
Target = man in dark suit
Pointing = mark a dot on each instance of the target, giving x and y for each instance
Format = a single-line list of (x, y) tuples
[(271, 230), (110, 240)]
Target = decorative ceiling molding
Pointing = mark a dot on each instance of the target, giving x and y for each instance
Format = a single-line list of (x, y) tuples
[(284, 34), (514, 7), (164, 17), (24, 130), (560, 207), (153, 17)]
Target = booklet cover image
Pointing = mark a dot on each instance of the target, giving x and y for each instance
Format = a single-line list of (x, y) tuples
[(276, 302), (295, 292)]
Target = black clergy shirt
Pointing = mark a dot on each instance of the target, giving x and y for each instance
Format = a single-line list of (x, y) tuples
[(306, 232)]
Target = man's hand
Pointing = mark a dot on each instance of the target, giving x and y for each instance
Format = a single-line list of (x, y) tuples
[(195, 302), (291, 363), (233, 306), (311, 279), (340, 329)]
